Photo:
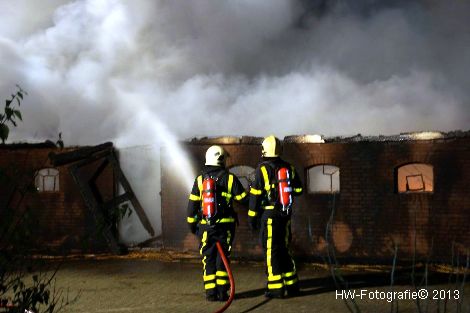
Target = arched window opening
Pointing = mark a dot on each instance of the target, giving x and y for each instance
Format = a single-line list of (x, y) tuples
[(47, 179), (245, 173), (415, 177), (323, 179)]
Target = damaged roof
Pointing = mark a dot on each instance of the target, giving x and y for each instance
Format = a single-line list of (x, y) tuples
[(409, 136), (25, 145)]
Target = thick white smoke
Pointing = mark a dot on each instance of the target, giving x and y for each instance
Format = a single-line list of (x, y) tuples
[(202, 66), (119, 70)]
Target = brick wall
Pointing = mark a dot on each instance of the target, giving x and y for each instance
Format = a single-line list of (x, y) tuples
[(368, 217), (61, 221)]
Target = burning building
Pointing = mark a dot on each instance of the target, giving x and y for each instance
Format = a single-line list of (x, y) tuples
[(365, 198)]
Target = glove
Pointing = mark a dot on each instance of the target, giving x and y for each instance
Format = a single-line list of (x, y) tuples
[(193, 227), (253, 222)]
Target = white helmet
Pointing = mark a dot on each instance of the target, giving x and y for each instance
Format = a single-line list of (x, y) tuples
[(271, 147), (215, 156)]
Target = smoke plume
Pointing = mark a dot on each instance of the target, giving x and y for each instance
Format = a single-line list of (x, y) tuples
[(92, 68)]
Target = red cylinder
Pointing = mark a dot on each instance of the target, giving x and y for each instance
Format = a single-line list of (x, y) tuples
[(208, 198), (285, 189)]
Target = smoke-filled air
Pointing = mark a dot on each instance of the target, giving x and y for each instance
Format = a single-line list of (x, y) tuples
[(107, 69), (147, 72)]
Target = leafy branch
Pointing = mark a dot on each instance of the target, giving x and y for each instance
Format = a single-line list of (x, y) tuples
[(11, 114)]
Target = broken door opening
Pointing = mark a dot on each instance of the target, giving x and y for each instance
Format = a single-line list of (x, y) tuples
[(105, 211)]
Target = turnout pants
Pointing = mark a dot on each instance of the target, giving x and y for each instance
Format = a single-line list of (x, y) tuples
[(280, 267), (215, 275)]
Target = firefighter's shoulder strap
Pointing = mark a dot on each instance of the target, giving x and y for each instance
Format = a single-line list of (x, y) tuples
[(219, 174), (216, 175), (227, 194), (264, 171), (274, 168), (203, 176), (272, 184), (199, 185)]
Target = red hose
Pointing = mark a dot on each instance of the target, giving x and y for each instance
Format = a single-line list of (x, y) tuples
[(230, 277)]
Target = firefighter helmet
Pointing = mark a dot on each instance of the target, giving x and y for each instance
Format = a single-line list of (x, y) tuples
[(215, 156), (271, 147)]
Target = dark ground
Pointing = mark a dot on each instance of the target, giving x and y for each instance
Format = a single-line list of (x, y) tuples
[(149, 285)]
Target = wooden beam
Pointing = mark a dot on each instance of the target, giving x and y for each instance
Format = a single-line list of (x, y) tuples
[(93, 206), (79, 154), (99, 170), (127, 187)]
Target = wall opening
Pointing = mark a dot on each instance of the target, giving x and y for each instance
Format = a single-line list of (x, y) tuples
[(415, 178), (323, 179), (47, 180), (245, 173)]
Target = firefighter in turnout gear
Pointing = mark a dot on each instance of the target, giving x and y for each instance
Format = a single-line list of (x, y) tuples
[(270, 206), (211, 216)]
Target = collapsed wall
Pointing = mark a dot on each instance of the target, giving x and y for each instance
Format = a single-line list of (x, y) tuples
[(364, 196)]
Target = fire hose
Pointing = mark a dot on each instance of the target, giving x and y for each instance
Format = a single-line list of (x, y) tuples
[(230, 277)]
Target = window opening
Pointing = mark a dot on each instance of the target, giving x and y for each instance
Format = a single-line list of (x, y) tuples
[(47, 179), (415, 177), (323, 179)]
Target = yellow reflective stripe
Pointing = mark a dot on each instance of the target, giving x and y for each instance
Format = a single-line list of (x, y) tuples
[(266, 178), (291, 282), (230, 183), (194, 197), (289, 274), (252, 213), (209, 277), (222, 220), (275, 286), (222, 282), (269, 207), (297, 190), (204, 264), (199, 185), (255, 192), (274, 277), (240, 196), (209, 286), (226, 220), (269, 246), (204, 241), (221, 274), (191, 220), (229, 238), (226, 195)]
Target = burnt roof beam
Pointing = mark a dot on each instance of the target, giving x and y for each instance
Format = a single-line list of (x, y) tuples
[(80, 154)]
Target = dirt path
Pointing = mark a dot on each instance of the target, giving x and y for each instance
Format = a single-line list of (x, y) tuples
[(138, 286)]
